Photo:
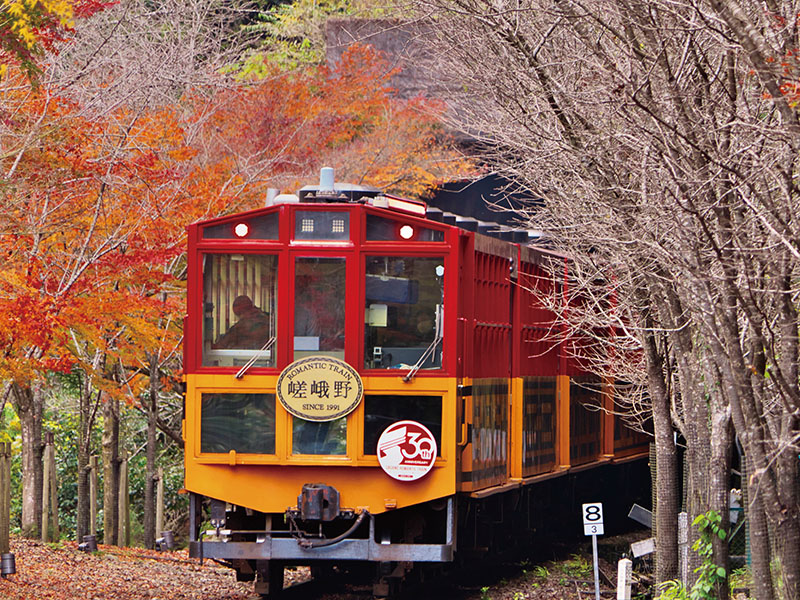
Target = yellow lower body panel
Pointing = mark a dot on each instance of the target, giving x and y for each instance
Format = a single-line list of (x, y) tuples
[(271, 481), (274, 488)]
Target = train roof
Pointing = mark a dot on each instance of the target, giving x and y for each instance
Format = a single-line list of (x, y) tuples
[(330, 192)]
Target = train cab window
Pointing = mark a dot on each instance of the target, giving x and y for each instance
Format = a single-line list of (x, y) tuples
[(311, 437), (380, 411), (241, 422), (321, 225), (263, 227), (239, 302), (319, 292), (388, 230), (403, 312)]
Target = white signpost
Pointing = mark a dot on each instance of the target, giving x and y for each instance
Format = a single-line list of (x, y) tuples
[(593, 526)]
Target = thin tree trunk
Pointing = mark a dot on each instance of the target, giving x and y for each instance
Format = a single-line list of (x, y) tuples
[(719, 486), (788, 469), (150, 479), (788, 529), (29, 405), (82, 509), (666, 517), (759, 540), (110, 471)]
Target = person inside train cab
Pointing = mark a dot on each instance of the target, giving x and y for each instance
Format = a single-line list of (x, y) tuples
[(251, 330), (425, 325)]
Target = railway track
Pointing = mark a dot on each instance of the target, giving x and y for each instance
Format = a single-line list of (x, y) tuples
[(560, 573)]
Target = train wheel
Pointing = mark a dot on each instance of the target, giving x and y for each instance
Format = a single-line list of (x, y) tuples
[(388, 580), (322, 572), (269, 578)]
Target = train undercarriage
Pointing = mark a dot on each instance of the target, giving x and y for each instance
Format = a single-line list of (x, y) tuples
[(320, 534)]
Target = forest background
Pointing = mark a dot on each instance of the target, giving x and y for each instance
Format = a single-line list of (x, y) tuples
[(660, 138)]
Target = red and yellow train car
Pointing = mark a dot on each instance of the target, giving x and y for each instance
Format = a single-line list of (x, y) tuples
[(359, 376)]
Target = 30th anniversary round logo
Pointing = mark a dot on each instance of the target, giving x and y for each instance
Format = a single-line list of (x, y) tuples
[(319, 388), (406, 450)]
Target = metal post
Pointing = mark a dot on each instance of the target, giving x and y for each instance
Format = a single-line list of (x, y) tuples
[(596, 569), (45, 496), (124, 516), (5, 496), (54, 493), (93, 496), (49, 491), (160, 500), (683, 547)]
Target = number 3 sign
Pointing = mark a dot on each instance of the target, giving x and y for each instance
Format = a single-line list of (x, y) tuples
[(593, 518)]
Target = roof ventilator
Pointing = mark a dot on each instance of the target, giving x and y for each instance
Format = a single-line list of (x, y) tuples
[(329, 191)]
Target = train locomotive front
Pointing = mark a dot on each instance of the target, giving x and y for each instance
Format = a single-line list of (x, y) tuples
[(356, 374), (313, 326)]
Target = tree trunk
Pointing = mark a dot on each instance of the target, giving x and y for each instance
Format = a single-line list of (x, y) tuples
[(788, 468), (788, 529), (150, 478), (719, 488), (666, 510), (110, 471), (29, 404), (759, 540), (82, 508)]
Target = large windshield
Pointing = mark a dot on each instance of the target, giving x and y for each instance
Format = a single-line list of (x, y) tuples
[(403, 312), (239, 301)]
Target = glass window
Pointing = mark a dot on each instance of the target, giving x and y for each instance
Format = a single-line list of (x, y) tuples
[(239, 300), (241, 422), (386, 230), (380, 411), (321, 225), (403, 312), (319, 291), (264, 227), (313, 437)]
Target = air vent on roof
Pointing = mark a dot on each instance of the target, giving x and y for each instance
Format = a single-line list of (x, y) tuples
[(329, 191)]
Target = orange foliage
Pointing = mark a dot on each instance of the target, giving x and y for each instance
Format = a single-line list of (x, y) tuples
[(93, 233), (285, 127), (31, 27), (95, 210)]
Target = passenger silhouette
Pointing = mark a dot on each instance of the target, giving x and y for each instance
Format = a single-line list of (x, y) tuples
[(251, 330)]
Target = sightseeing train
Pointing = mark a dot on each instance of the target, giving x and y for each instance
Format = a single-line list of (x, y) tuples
[(370, 380)]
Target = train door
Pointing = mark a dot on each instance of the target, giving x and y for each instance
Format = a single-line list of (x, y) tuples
[(322, 301)]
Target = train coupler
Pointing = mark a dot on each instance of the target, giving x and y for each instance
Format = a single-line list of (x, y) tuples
[(318, 502)]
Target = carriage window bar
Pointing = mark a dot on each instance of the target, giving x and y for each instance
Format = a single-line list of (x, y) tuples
[(321, 225)]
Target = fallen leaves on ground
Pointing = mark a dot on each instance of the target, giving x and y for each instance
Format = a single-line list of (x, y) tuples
[(56, 571)]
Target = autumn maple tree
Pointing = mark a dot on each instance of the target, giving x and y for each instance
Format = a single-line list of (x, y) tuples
[(282, 127), (92, 238), (95, 203), (29, 28)]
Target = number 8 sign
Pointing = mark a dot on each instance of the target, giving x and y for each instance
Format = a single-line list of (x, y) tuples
[(593, 518)]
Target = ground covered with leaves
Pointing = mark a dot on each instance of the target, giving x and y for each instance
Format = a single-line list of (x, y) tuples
[(61, 571), (570, 579), (55, 571)]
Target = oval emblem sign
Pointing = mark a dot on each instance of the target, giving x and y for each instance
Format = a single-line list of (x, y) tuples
[(319, 388), (406, 450)]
